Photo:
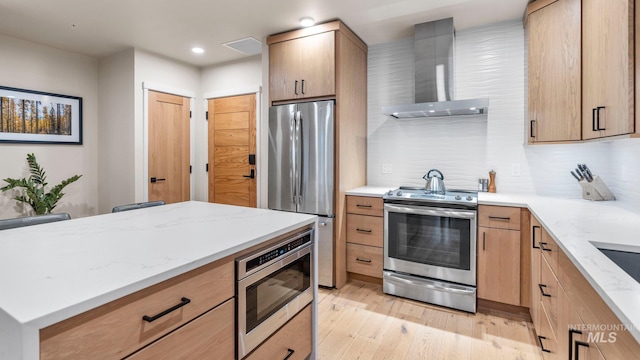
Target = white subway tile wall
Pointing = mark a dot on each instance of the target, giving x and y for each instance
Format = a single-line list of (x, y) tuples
[(490, 61)]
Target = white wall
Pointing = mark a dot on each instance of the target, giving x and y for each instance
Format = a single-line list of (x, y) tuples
[(116, 128), (232, 78), (151, 68), (31, 66), (490, 62)]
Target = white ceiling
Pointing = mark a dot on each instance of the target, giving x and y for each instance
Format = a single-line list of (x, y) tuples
[(172, 27)]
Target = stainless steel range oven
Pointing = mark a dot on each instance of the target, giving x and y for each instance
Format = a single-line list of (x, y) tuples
[(273, 285), (430, 247)]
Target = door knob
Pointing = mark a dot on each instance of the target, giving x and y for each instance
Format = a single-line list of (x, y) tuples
[(252, 175), (154, 179)]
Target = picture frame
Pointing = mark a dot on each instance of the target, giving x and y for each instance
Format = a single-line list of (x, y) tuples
[(36, 117)]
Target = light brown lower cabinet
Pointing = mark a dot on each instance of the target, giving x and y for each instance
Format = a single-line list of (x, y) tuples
[(571, 319), (365, 260), (207, 337), (499, 265), (291, 342)]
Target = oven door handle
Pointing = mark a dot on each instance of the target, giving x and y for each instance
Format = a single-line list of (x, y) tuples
[(451, 289), (431, 211)]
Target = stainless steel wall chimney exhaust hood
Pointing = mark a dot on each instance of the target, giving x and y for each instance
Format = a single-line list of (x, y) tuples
[(434, 48)]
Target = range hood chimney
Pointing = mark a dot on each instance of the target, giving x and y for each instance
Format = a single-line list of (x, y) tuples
[(434, 82)]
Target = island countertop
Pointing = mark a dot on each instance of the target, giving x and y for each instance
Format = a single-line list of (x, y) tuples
[(52, 272)]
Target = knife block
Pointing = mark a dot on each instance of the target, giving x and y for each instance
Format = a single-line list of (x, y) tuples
[(596, 190)]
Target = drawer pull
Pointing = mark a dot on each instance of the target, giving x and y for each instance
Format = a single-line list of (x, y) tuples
[(363, 260), (290, 351), (571, 332), (184, 301), (542, 287), (533, 237), (363, 230), (542, 244), (578, 344), (363, 206), (540, 338), (499, 218)]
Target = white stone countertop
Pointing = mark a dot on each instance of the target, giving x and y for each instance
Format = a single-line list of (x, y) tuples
[(54, 271), (574, 224)]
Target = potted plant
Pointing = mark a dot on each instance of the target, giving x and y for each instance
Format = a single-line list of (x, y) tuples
[(34, 193)]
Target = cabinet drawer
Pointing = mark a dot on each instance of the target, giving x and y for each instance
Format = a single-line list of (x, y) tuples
[(294, 336), (365, 230), (117, 329), (500, 217), (548, 287), (365, 260), (546, 338), (549, 249), (212, 333), (365, 205)]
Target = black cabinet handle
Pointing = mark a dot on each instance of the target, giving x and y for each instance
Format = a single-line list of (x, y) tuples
[(542, 287), (184, 301), (154, 179), (593, 119), (533, 237), (598, 117), (290, 351), (363, 260), (252, 175), (531, 127), (542, 244), (540, 338), (484, 238), (578, 344), (295, 88), (363, 206), (571, 332), (302, 86), (363, 230), (500, 218)]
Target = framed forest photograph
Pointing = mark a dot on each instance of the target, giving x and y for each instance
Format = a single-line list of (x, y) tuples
[(28, 116)]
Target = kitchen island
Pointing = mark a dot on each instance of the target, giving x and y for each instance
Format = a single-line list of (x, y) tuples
[(53, 272)]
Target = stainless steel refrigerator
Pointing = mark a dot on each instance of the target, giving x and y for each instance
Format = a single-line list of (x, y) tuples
[(301, 169)]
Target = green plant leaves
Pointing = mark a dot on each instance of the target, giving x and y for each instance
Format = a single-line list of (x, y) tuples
[(34, 188)]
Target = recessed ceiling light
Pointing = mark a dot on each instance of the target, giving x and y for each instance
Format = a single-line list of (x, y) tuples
[(432, 111), (197, 50), (472, 108), (307, 21)]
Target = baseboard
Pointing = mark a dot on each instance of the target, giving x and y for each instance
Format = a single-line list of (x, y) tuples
[(366, 278), (511, 312)]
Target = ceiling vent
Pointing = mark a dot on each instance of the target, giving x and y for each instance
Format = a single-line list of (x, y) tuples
[(247, 46)]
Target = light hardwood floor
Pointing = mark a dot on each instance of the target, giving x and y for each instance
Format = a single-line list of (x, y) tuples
[(359, 321)]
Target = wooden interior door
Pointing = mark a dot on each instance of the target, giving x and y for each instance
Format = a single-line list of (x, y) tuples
[(169, 156), (232, 141)]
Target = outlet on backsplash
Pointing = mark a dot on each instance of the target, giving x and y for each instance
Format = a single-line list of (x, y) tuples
[(515, 169), (386, 168)]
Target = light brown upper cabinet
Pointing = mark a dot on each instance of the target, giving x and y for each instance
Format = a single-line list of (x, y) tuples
[(607, 68), (554, 71), (303, 68), (581, 69)]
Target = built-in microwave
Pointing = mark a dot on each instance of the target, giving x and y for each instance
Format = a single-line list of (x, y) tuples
[(273, 285)]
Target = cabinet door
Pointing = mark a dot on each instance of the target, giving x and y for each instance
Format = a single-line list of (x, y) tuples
[(292, 341), (607, 64), (499, 265), (554, 72), (303, 67)]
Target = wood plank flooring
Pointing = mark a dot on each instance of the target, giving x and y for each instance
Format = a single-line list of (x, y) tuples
[(359, 321)]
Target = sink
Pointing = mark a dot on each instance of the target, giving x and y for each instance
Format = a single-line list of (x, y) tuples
[(627, 257)]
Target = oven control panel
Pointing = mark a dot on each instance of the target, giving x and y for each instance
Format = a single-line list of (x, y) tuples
[(277, 252)]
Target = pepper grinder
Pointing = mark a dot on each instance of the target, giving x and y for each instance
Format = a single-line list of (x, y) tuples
[(492, 181)]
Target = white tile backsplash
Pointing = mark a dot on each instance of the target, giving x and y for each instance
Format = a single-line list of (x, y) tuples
[(490, 62)]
